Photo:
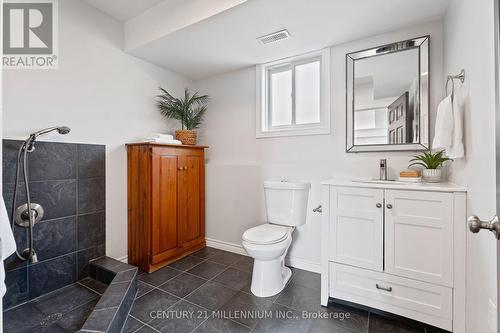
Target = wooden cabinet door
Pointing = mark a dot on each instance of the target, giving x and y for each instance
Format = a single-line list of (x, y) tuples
[(165, 188), (190, 205), (356, 227), (419, 235)]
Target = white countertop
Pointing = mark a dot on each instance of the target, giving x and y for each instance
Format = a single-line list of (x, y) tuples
[(365, 182)]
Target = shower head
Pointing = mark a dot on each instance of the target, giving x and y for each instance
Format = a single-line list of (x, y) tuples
[(60, 130), (31, 140)]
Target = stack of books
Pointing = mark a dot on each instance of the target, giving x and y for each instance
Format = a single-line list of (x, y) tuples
[(412, 176)]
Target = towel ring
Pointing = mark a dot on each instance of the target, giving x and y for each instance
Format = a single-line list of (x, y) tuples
[(452, 78)]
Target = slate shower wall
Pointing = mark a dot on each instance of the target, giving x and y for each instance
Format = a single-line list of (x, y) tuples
[(68, 180)]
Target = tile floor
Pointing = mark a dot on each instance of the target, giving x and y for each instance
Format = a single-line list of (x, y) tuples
[(62, 311), (209, 291)]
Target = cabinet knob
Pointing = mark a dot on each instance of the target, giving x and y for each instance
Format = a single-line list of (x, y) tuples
[(389, 206), (379, 205), (179, 168), (185, 168)]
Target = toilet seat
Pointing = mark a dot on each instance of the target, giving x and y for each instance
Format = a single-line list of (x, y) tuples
[(267, 233)]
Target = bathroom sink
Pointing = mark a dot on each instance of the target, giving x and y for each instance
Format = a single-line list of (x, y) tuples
[(378, 181)]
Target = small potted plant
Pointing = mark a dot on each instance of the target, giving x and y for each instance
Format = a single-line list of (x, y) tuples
[(432, 163), (189, 110)]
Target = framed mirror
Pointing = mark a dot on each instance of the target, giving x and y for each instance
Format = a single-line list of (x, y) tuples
[(388, 97)]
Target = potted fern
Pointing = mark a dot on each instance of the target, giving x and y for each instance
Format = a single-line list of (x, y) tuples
[(432, 163), (189, 110)]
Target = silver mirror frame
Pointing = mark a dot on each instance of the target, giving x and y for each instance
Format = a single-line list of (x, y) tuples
[(424, 57)]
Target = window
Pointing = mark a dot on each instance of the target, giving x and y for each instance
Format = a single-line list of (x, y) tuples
[(293, 96)]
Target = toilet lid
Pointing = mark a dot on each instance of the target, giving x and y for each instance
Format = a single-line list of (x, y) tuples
[(266, 234)]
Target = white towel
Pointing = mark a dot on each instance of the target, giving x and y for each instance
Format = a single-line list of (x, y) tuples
[(164, 137), (7, 243), (448, 134), (457, 146), (168, 142), (443, 133)]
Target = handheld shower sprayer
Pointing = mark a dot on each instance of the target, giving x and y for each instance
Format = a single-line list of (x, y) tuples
[(30, 141), (29, 213)]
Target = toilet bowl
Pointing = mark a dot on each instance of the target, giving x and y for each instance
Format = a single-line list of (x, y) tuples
[(268, 243)]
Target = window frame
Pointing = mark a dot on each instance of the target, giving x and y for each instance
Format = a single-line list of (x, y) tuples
[(264, 72)]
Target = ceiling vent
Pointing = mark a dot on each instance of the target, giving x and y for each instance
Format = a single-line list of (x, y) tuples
[(274, 37)]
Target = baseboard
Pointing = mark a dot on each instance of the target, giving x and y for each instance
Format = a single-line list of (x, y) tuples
[(226, 246), (304, 264), (123, 259)]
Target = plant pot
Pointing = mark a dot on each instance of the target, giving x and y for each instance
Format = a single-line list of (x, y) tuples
[(431, 175), (187, 137)]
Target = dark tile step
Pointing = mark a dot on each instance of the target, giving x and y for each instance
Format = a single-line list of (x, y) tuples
[(110, 313)]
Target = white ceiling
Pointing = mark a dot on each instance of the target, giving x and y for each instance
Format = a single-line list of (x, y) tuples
[(227, 41), (124, 10)]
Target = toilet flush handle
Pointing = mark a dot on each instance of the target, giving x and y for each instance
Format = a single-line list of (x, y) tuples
[(318, 209)]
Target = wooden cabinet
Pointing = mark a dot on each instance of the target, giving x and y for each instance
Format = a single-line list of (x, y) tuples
[(166, 203), (396, 248)]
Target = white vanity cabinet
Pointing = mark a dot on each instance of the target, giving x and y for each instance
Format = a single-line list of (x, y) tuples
[(396, 247)]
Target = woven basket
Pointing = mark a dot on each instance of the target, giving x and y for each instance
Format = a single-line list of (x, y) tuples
[(187, 137)]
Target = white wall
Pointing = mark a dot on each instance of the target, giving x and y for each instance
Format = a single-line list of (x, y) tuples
[(469, 44), (239, 163), (104, 95)]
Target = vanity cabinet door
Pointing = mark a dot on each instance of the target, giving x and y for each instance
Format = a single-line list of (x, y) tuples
[(419, 235), (356, 227)]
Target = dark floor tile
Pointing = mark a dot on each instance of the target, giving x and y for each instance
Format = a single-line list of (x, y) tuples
[(22, 319), (160, 276), (300, 298), (341, 319), (143, 288), (107, 263), (94, 285), (380, 324), (147, 329), (207, 270), (182, 285), (152, 301), (16, 282), (91, 161), (234, 278), (53, 274), (207, 252), (243, 304), (226, 258), (91, 230), (220, 325), (91, 195), (183, 317), (244, 264), (73, 320), (65, 299), (282, 320), (55, 237), (211, 295), (186, 263), (306, 279), (131, 325)]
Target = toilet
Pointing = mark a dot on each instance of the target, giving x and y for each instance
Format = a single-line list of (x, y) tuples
[(268, 243)]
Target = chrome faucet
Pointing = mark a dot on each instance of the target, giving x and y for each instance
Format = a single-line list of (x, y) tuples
[(383, 169)]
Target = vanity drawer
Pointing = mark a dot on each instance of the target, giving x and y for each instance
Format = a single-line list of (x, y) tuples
[(413, 299)]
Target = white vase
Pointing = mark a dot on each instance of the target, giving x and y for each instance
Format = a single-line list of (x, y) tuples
[(431, 175)]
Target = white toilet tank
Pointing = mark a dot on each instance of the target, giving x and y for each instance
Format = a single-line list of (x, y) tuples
[(286, 202)]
